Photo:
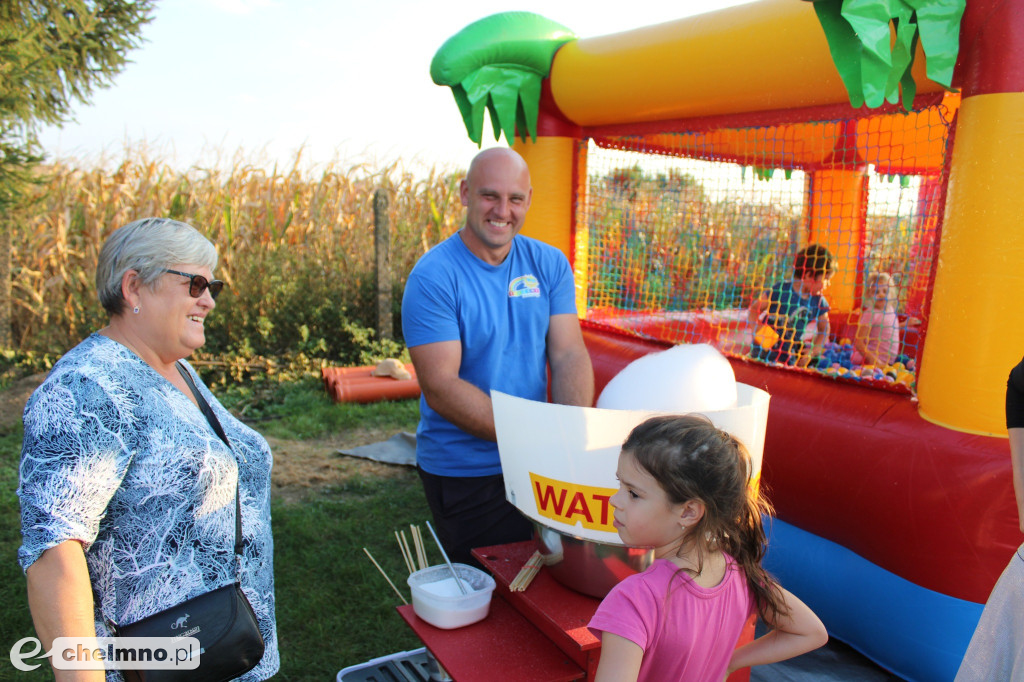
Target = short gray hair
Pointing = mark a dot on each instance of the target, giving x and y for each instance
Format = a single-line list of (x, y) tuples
[(147, 246)]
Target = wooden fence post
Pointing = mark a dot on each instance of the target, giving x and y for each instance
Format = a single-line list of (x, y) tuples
[(382, 247), (6, 307)]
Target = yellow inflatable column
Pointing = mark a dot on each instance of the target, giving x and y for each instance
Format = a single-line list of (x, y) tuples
[(837, 220), (975, 330), (551, 212)]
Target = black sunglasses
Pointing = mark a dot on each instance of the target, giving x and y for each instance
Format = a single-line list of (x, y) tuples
[(197, 284)]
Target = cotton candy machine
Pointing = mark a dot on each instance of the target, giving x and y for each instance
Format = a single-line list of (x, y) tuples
[(588, 566), (559, 461)]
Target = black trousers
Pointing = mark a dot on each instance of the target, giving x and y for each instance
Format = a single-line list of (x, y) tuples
[(472, 511)]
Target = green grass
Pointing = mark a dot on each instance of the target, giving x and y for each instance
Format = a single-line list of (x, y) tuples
[(333, 608), (301, 409), (15, 621)]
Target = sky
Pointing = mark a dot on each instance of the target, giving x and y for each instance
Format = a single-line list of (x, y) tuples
[(344, 81)]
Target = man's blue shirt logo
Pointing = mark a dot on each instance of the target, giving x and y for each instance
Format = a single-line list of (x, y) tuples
[(525, 286)]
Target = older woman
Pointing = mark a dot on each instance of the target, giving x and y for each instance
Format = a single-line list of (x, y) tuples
[(127, 494)]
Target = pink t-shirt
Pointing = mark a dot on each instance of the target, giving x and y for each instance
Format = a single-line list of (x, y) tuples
[(686, 633), (883, 333)]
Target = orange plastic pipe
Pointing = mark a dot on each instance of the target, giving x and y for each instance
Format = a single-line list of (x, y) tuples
[(371, 392), (359, 371), (357, 385)]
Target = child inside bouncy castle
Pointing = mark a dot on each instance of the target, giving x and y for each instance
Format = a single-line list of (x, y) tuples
[(875, 351), (877, 340), (779, 317)]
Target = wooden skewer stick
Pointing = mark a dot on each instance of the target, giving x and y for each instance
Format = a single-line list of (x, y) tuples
[(414, 549), (408, 551), (527, 573), (421, 552), (401, 549), (423, 546), (417, 543), (385, 575), (406, 557)]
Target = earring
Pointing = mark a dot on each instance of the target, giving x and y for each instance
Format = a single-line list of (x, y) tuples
[(135, 310)]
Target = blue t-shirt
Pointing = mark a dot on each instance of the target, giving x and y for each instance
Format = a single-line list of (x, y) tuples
[(500, 313), (789, 313)]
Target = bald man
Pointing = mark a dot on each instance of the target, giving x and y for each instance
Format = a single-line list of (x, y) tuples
[(487, 309)]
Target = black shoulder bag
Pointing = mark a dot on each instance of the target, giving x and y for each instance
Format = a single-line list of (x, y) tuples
[(222, 620)]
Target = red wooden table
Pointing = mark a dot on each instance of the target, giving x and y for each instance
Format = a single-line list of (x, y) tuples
[(539, 635)]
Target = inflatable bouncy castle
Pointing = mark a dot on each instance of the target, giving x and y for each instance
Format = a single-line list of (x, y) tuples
[(681, 166)]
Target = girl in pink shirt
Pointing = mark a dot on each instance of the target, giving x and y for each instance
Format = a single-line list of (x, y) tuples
[(685, 489), (877, 341)]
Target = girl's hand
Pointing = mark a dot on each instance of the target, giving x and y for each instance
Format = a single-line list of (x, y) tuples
[(795, 633)]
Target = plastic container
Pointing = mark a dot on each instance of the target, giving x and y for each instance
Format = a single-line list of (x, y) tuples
[(437, 600), (405, 665)]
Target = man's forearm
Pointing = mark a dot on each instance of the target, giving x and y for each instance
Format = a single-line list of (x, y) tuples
[(572, 380), (465, 406)]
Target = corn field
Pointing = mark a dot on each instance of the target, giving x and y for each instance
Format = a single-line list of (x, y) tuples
[(296, 250)]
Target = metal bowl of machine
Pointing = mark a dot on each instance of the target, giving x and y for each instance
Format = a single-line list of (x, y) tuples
[(587, 566)]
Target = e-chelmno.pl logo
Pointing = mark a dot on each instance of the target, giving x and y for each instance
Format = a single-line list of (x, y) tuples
[(109, 653)]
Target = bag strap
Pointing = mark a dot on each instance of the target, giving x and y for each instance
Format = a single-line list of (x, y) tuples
[(219, 430)]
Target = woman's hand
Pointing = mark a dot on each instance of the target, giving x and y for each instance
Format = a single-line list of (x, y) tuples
[(60, 599)]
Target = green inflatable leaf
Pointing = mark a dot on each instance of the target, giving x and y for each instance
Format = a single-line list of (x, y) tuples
[(903, 62), (873, 67), (939, 26), (869, 20), (844, 47), (497, 64)]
